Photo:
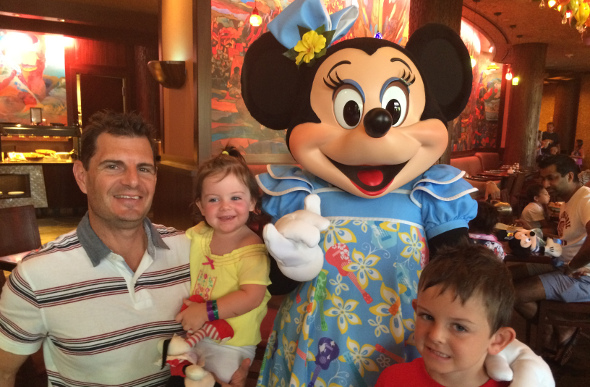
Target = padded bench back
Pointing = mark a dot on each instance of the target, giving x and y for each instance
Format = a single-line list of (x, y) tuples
[(489, 160), (470, 164)]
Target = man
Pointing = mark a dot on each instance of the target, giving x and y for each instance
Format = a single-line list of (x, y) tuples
[(550, 139), (570, 282), (101, 297)]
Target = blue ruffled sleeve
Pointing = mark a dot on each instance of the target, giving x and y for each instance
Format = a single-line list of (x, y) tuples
[(443, 195), (285, 188)]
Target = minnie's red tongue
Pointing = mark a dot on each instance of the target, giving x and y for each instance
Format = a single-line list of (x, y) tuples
[(370, 177)]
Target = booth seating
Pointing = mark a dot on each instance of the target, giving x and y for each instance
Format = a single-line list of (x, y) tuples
[(489, 160), (473, 165)]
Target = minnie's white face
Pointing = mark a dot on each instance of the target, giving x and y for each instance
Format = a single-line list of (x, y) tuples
[(368, 157)]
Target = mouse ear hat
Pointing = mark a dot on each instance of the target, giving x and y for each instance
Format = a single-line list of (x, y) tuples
[(300, 34)]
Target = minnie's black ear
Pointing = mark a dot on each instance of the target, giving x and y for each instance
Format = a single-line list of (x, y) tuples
[(270, 82), (444, 61)]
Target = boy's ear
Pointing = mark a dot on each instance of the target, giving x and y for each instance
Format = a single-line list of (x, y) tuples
[(414, 304), (500, 339)]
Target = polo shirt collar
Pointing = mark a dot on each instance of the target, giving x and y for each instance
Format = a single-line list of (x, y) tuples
[(97, 250)]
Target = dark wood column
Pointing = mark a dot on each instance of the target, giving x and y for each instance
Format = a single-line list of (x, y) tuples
[(565, 114), (528, 63), (447, 12)]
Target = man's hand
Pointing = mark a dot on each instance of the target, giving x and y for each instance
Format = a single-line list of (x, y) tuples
[(193, 317), (239, 377), (294, 241)]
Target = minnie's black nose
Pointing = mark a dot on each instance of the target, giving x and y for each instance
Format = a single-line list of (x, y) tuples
[(377, 122)]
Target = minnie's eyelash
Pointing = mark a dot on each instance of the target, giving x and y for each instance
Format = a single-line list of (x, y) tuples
[(333, 83), (408, 78)]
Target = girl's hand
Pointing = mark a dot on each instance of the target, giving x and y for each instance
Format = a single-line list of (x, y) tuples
[(193, 317)]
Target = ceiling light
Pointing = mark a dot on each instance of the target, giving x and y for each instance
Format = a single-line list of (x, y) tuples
[(255, 18)]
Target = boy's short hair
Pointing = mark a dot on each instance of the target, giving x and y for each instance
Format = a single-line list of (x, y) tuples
[(472, 270)]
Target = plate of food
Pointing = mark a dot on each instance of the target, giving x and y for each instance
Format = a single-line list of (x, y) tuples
[(46, 152), (33, 156)]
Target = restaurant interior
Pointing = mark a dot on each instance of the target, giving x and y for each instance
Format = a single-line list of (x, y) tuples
[(178, 64)]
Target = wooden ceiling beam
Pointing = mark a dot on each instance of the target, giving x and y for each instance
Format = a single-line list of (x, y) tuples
[(80, 19)]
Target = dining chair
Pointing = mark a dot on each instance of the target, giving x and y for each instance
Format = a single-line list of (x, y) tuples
[(18, 233), (557, 313)]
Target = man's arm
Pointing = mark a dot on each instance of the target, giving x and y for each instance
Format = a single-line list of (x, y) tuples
[(582, 258), (9, 365)]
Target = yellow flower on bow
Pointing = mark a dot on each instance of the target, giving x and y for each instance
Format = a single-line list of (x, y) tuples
[(310, 44)]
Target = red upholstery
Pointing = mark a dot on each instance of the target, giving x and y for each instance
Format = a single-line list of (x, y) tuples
[(489, 160)]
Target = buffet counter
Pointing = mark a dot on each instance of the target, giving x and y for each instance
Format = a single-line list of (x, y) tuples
[(36, 167)]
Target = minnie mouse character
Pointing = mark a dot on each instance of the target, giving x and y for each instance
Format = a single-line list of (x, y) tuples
[(366, 121)]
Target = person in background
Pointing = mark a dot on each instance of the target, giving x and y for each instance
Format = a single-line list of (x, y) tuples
[(578, 153), (535, 214), (569, 280), (481, 228), (550, 138), (229, 265), (463, 312), (99, 298)]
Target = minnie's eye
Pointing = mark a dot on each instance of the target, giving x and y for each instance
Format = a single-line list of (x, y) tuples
[(395, 101), (348, 107)]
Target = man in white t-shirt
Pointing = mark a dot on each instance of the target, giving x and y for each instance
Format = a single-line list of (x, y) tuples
[(569, 282)]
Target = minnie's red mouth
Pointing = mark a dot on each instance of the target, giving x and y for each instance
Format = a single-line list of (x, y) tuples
[(370, 180)]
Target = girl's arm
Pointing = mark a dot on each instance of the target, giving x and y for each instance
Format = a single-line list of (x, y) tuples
[(237, 303), (243, 300)]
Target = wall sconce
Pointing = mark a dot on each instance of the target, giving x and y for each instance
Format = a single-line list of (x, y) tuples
[(170, 74), (255, 18), (515, 81), (508, 75)]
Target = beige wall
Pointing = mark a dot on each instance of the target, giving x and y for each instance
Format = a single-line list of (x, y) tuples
[(178, 104)]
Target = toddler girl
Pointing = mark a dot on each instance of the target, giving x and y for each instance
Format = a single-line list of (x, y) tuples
[(229, 264), (534, 215)]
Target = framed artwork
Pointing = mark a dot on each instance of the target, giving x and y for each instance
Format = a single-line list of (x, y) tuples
[(36, 116), (32, 76)]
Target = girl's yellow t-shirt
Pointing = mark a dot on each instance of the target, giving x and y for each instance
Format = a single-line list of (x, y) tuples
[(213, 276)]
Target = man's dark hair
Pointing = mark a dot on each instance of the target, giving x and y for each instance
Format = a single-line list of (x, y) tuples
[(116, 124), (471, 271), (563, 164)]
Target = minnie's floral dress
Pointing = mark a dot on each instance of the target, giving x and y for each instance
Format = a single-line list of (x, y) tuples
[(355, 318)]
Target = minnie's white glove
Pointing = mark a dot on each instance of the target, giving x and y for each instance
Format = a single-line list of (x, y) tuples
[(294, 241), (528, 368)]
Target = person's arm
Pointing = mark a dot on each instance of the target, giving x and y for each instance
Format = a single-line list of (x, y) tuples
[(9, 365), (237, 303), (582, 257), (239, 377)]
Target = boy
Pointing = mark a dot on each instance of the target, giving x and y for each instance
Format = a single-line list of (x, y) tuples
[(464, 304)]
